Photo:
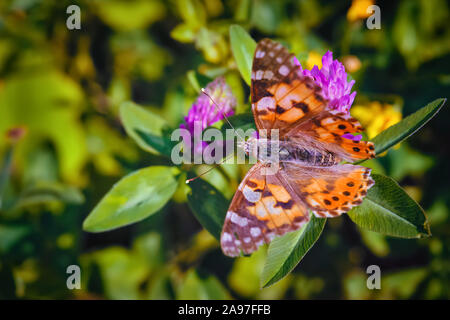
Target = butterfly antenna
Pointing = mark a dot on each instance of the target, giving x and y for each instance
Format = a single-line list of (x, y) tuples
[(223, 113), (213, 167), (229, 123)]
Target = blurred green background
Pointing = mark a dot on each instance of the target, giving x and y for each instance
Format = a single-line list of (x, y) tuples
[(62, 144)]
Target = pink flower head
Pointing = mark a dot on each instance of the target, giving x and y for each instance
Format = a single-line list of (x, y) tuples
[(332, 78), (205, 111)]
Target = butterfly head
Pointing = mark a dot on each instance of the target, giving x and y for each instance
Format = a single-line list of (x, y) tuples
[(265, 150), (249, 146)]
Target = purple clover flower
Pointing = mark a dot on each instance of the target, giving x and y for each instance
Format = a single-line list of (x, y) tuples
[(204, 112), (332, 78)]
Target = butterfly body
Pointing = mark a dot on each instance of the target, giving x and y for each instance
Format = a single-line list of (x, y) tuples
[(270, 151), (300, 150)]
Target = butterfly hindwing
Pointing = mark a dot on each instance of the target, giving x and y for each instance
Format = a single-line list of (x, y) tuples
[(330, 191), (327, 130), (262, 207)]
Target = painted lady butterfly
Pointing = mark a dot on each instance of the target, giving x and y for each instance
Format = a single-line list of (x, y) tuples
[(310, 176)]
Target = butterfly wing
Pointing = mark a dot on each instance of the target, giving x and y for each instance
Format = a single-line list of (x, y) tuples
[(284, 99), (268, 205), (326, 132), (262, 207), (329, 191), (281, 95)]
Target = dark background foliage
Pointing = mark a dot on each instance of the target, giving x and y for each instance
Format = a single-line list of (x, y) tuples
[(63, 90)]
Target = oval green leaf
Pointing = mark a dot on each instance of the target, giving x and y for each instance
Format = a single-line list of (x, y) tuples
[(407, 127), (208, 205), (287, 251), (136, 118), (162, 144), (242, 121), (388, 209), (133, 198), (243, 48)]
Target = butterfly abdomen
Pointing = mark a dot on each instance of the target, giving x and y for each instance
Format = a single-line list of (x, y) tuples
[(284, 151), (311, 157)]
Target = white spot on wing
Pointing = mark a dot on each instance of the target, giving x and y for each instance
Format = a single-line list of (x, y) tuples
[(240, 221), (283, 70), (251, 195), (261, 210), (268, 74), (255, 231), (327, 121), (270, 236), (270, 203), (259, 74), (313, 202), (226, 237), (260, 54), (266, 103)]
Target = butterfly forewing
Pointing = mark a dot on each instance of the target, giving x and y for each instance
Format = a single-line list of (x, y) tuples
[(281, 95)]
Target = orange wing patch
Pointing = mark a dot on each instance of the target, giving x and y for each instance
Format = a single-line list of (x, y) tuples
[(331, 196)]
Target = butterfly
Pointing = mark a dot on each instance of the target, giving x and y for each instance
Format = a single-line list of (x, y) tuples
[(310, 176)]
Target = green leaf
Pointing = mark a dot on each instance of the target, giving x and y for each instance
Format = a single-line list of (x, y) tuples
[(133, 198), (208, 205), (388, 209), (117, 13), (407, 127), (123, 272), (242, 121), (5, 172), (136, 118), (183, 33), (50, 115), (162, 145), (10, 235), (286, 252), (44, 192), (243, 47), (196, 288), (197, 81)]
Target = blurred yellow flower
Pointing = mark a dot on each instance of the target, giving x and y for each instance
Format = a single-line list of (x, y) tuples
[(358, 10), (351, 63), (65, 241), (376, 117), (314, 59)]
